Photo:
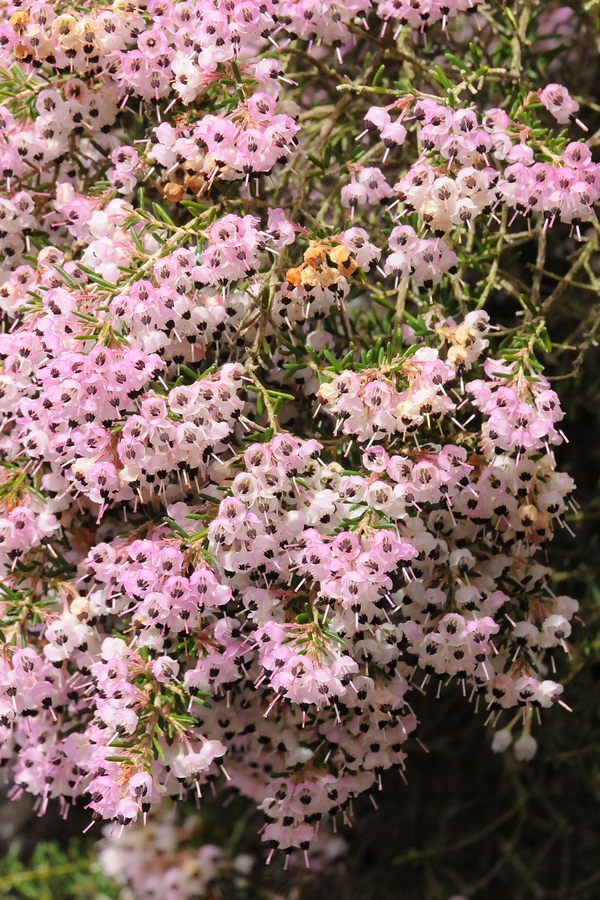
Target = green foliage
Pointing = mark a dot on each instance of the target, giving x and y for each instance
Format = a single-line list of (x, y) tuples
[(54, 874)]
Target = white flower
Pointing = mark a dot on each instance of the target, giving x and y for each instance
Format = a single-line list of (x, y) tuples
[(525, 747)]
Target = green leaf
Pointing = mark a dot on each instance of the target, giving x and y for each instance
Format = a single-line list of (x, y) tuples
[(379, 75), (474, 54), (440, 76), (316, 162), (236, 72), (528, 303), (335, 637), (544, 340), (331, 359), (85, 317), (67, 278), (280, 394), (136, 240), (177, 528), (160, 213), (456, 62), (97, 279), (194, 207), (210, 558)]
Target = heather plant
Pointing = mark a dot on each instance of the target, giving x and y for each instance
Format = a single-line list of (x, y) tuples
[(279, 438)]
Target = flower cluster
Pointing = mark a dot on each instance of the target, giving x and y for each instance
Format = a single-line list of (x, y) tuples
[(425, 260), (322, 279), (321, 590), (421, 14), (248, 141), (471, 166), (368, 406), (161, 860), (248, 500)]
